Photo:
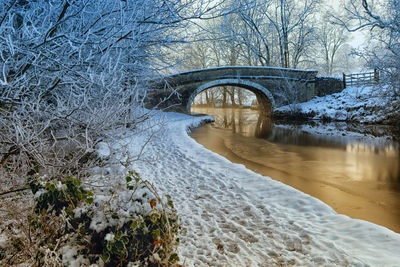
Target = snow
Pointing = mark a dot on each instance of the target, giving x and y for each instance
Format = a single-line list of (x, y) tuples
[(234, 217), (3, 240), (109, 237), (39, 193), (103, 150), (60, 186), (71, 258), (367, 104), (329, 77), (237, 67)]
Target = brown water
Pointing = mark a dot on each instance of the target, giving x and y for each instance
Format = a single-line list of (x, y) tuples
[(358, 178)]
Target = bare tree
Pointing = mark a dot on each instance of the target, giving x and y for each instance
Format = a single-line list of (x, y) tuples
[(253, 33), (282, 25), (290, 18), (331, 39), (382, 19), (198, 56)]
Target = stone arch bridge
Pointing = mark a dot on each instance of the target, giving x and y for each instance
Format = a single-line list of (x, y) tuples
[(273, 87)]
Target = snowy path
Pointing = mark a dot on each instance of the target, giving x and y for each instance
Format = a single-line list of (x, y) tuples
[(235, 217)]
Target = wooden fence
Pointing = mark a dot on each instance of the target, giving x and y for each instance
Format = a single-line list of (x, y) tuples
[(358, 79)]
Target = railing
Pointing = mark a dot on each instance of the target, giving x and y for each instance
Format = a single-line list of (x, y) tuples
[(357, 79)]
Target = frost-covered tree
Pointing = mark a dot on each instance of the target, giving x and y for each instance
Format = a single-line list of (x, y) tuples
[(71, 70), (292, 21), (382, 19), (275, 27), (331, 40), (252, 33)]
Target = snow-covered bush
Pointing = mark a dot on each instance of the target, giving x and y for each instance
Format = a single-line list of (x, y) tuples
[(72, 226)]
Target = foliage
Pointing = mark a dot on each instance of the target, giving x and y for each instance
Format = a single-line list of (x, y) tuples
[(71, 225), (60, 195)]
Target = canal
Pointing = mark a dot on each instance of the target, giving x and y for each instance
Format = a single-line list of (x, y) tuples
[(343, 165)]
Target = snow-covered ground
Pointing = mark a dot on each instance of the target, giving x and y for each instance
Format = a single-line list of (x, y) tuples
[(235, 217), (367, 104)]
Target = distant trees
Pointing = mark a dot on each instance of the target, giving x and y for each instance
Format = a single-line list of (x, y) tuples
[(293, 22), (286, 33), (253, 34), (274, 32), (224, 96), (331, 40)]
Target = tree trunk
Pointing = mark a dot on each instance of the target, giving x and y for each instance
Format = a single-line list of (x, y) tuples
[(231, 92), (240, 97), (224, 97)]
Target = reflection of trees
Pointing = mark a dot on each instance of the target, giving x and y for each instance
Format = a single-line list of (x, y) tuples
[(264, 105), (242, 121), (225, 121), (264, 126), (224, 96), (233, 121)]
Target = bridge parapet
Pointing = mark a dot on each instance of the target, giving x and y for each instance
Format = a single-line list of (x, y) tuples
[(240, 72), (274, 86)]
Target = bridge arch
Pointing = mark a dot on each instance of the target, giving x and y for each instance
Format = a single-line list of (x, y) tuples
[(259, 90)]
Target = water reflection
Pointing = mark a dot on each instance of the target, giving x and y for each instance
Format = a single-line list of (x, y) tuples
[(247, 122), (356, 176)]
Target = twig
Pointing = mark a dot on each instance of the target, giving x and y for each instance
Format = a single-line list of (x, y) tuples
[(14, 191)]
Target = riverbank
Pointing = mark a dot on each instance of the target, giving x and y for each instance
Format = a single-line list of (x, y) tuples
[(368, 105), (235, 217), (356, 175)]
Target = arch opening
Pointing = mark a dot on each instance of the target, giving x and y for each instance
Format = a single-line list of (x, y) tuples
[(264, 97)]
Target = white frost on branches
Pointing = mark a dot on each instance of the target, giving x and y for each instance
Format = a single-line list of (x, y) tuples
[(71, 70)]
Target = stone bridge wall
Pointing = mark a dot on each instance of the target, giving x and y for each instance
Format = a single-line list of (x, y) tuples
[(276, 86), (328, 85)]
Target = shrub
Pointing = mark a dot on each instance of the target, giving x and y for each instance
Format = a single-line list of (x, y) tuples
[(325, 118), (73, 226), (294, 115)]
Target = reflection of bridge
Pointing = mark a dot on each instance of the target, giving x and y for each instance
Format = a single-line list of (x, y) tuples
[(272, 86)]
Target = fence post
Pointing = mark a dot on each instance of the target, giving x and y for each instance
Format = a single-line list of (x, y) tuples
[(344, 80), (376, 76)]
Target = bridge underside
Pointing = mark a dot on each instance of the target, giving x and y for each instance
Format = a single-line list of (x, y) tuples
[(182, 98), (273, 87), (264, 96)]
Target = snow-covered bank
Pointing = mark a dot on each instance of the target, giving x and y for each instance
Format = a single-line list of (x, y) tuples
[(361, 104), (235, 217), (346, 133)]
